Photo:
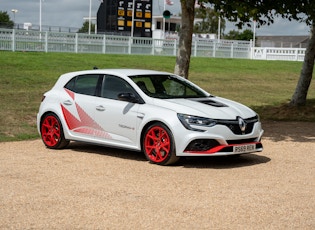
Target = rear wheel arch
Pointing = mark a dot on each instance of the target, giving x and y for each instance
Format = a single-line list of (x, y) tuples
[(45, 114), (52, 133)]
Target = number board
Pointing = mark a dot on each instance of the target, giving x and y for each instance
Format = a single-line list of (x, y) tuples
[(142, 16)]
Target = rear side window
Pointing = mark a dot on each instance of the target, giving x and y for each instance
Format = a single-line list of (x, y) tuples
[(84, 84)]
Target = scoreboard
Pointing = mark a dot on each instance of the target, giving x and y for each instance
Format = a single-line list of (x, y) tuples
[(140, 14), (123, 17)]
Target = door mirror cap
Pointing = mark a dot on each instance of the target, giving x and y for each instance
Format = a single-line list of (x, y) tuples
[(129, 97)]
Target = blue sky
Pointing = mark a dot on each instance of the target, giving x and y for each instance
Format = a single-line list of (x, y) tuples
[(70, 13)]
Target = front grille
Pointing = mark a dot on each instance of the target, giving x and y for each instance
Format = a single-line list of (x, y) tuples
[(234, 126)]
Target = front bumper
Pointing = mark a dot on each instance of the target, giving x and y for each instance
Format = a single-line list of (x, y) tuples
[(220, 141)]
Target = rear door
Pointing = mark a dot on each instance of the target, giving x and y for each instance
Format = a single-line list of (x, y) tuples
[(78, 105)]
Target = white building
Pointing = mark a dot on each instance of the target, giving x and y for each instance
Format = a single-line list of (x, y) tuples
[(171, 27)]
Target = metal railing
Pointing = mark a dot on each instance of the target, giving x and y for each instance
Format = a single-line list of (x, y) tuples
[(284, 54), (24, 40)]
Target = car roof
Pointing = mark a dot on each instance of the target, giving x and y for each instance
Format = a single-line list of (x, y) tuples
[(126, 72), (64, 78), (129, 72)]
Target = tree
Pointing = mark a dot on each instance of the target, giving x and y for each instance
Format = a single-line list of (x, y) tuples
[(263, 12), (185, 38), (5, 21), (209, 21), (301, 90), (85, 27), (245, 35)]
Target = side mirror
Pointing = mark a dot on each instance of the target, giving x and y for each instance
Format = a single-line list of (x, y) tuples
[(129, 97)]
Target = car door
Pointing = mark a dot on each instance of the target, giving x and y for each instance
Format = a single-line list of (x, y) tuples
[(78, 106), (120, 119)]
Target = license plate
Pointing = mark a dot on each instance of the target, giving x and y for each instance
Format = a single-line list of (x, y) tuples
[(244, 148)]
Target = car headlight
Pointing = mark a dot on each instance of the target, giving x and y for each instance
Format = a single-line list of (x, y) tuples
[(189, 121)]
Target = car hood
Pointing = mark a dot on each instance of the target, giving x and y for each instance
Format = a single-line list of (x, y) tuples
[(212, 107)]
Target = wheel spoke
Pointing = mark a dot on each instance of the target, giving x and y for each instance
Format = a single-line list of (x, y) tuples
[(158, 155), (56, 131), (165, 147), (44, 125), (149, 149), (51, 139), (165, 143), (151, 135)]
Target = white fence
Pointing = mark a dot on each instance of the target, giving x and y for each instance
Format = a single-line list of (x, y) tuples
[(22, 40), (285, 54)]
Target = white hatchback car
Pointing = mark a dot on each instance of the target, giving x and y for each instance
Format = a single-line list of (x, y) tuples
[(159, 113)]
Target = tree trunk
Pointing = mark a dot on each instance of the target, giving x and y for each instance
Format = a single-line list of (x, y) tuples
[(300, 94), (185, 38)]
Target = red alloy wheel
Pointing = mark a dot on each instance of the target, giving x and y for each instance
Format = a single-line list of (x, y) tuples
[(157, 144), (51, 131)]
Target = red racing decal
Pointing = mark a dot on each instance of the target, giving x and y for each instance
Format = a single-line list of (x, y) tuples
[(71, 94), (85, 124)]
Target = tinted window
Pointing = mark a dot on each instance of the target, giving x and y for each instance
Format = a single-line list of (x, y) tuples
[(113, 86), (145, 84), (83, 84)]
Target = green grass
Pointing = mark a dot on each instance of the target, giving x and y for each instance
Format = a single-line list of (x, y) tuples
[(266, 86)]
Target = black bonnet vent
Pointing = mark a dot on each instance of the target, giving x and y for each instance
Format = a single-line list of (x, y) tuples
[(213, 103)]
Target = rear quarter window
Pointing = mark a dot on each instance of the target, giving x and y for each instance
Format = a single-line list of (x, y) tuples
[(83, 84)]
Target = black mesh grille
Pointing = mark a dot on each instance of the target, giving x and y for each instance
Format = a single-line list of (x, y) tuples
[(234, 126), (202, 145)]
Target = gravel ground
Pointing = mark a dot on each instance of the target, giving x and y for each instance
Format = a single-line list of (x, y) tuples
[(91, 187)]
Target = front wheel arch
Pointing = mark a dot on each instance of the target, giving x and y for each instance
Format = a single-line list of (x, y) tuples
[(163, 143)]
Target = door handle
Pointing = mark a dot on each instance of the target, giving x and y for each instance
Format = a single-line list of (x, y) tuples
[(140, 115), (67, 102), (100, 108)]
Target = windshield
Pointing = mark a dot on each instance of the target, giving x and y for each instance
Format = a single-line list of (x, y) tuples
[(167, 87)]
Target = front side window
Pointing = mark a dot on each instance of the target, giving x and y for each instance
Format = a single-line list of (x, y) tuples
[(113, 86), (83, 84)]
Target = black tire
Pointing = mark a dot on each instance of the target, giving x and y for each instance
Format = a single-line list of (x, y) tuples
[(52, 132), (158, 145)]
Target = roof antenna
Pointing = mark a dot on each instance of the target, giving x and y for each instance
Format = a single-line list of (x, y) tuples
[(95, 67)]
